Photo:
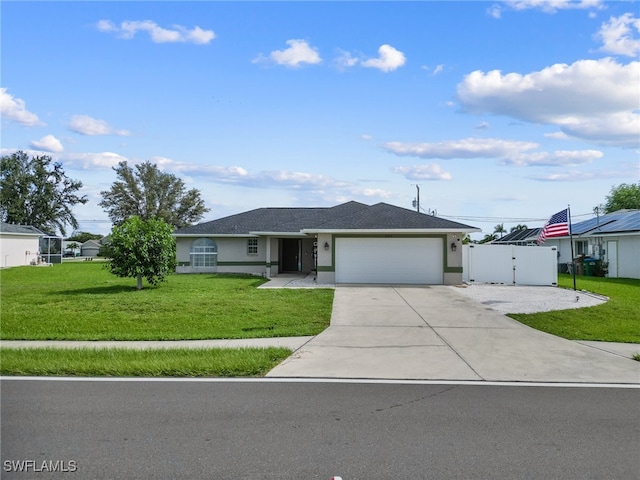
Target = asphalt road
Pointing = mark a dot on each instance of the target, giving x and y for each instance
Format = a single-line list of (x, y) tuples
[(272, 430)]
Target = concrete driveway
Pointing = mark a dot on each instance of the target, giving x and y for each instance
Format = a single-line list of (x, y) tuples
[(435, 333)]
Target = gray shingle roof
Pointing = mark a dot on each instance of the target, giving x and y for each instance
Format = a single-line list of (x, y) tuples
[(20, 229), (383, 216), (350, 215)]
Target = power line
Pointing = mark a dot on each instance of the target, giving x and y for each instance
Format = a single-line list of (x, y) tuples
[(505, 219)]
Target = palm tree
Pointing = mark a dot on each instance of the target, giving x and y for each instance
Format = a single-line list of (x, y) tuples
[(519, 228), (499, 229), (488, 238)]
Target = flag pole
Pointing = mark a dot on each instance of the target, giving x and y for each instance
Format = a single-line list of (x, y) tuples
[(573, 265)]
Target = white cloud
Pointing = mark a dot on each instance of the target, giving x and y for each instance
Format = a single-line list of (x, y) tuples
[(345, 60), (463, 148), (299, 52), (438, 69), (431, 171), (371, 192), (557, 135), (620, 35), (128, 29), (388, 59), (547, 6), (106, 26), (13, 108), (596, 100), (48, 143), (91, 161), (86, 125), (576, 176), (240, 176), (554, 159)]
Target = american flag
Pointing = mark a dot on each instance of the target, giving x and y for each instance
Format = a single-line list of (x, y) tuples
[(556, 226)]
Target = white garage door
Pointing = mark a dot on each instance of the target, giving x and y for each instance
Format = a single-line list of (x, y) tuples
[(389, 260)]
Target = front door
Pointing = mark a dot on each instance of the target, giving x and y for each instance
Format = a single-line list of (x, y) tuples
[(291, 254)]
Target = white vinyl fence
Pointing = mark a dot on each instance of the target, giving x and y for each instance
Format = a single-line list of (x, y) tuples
[(510, 264)]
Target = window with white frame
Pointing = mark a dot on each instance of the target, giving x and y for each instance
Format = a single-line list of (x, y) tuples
[(582, 247), (252, 246), (204, 253)]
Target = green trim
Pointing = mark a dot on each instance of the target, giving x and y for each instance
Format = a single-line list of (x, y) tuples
[(241, 264), (326, 269), (452, 269)]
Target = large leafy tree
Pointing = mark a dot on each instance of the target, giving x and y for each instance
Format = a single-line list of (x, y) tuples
[(149, 193), (142, 249), (36, 191), (622, 196)]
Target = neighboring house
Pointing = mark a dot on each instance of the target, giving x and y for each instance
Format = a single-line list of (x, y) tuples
[(90, 248), (347, 243), (19, 244), (525, 237), (27, 245), (613, 238)]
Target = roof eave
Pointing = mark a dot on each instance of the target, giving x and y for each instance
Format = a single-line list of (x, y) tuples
[(217, 235), (390, 230), (278, 234)]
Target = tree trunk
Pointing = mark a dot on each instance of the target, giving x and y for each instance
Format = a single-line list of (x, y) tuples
[(139, 282)]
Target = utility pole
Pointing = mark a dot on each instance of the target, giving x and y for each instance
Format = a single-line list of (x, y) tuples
[(416, 202)]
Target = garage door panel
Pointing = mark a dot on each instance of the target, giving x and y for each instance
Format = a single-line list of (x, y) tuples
[(389, 260)]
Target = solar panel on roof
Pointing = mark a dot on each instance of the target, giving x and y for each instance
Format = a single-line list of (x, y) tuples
[(623, 221), (628, 223)]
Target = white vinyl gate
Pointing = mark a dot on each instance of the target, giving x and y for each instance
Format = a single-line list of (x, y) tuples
[(510, 264)]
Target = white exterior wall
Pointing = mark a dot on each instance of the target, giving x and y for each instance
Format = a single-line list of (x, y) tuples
[(628, 255), (16, 250), (232, 256), (325, 259), (628, 252)]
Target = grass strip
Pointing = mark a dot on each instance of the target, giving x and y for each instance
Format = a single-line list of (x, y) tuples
[(617, 320), (119, 362)]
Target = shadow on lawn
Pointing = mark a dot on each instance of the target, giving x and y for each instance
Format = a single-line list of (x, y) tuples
[(105, 290)]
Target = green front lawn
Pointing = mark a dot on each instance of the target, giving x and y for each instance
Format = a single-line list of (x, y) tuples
[(236, 362), (83, 301), (617, 320)]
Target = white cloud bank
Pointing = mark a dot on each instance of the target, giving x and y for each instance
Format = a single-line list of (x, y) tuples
[(177, 34), (509, 152), (86, 125), (431, 171), (547, 6), (12, 108), (48, 143), (463, 148), (299, 52), (594, 100)]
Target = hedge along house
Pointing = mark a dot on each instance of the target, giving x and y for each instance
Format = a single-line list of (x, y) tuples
[(347, 243)]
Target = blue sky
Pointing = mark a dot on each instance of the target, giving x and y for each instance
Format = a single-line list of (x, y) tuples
[(501, 112)]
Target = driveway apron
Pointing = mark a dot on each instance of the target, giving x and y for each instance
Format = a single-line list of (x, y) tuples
[(435, 333)]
